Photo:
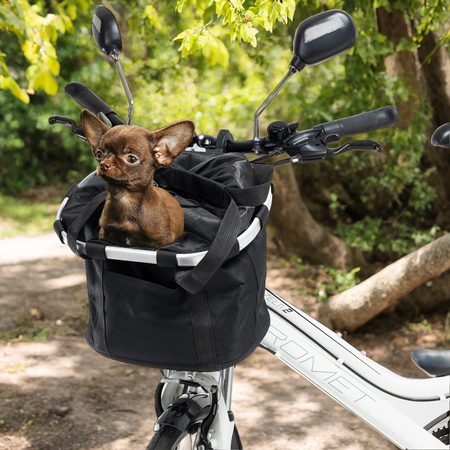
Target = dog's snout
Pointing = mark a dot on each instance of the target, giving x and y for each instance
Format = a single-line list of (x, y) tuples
[(105, 166)]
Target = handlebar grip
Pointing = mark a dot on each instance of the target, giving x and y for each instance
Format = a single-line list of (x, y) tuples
[(91, 101), (361, 123)]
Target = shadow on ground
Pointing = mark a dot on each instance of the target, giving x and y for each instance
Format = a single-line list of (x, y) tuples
[(57, 393)]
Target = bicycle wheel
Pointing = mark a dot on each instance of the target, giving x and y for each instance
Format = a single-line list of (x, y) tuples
[(171, 438)]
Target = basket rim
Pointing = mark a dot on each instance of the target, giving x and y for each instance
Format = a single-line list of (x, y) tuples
[(149, 256)]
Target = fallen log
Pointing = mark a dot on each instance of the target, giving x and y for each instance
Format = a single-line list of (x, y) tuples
[(356, 306)]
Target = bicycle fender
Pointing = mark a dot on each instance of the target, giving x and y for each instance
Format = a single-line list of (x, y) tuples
[(185, 411)]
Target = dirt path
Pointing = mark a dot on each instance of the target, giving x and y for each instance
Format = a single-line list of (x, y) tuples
[(57, 393)]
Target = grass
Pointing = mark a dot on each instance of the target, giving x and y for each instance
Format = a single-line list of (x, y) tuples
[(27, 330), (21, 217)]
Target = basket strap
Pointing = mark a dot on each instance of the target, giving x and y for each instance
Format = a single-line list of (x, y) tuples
[(194, 280), (195, 185), (202, 327), (79, 222), (255, 195)]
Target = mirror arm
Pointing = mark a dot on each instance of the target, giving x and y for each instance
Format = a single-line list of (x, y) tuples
[(256, 139), (115, 57)]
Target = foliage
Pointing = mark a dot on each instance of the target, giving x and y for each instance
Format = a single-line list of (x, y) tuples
[(215, 61), (340, 281), (36, 33), (26, 330), (383, 204), (423, 326), (243, 21)]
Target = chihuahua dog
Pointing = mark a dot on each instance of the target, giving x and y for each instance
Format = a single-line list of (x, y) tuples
[(137, 213)]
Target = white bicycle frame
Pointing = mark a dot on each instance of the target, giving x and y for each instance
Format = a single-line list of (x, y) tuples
[(401, 409)]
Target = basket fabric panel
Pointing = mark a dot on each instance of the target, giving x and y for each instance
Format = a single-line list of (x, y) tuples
[(142, 317)]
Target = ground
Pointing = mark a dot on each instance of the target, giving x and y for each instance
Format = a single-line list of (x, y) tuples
[(57, 393)]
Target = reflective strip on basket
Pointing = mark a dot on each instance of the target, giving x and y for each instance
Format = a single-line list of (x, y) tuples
[(86, 179), (61, 207), (183, 259)]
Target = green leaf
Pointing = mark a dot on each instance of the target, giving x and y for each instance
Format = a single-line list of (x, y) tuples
[(217, 53), (41, 78), (180, 5), (247, 33), (182, 35), (8, 83), (151, 14), (10, 21), (194, 39), (381, 3), (406, 44)]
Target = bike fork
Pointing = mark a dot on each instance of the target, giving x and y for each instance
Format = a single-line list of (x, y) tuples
[(212, 412)]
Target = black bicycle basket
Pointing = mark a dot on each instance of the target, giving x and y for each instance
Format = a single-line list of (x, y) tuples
[(198, 303)]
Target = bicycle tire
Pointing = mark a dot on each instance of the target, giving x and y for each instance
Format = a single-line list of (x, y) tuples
[(168, 438)]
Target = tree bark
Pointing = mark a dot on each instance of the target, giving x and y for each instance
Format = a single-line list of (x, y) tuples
[(298, 233), (436, 75), (395, 27), (356, 306), (425, 297)]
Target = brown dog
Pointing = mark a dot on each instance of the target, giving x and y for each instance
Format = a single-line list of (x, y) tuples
[(136, 212)]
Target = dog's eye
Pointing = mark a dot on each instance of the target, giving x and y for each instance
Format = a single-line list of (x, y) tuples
[(99, 154), (132, 159)]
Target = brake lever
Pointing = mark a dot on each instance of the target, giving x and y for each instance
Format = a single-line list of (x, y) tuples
[(320, 156), (66, 121), (355, 145)]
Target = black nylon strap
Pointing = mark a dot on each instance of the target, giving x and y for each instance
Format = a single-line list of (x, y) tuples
[(197, 186), (255, 195), (94, 272), (166, 259), (95, 250), (226, 236), (79, 222), (262, 213), (202, 327), (59, 228)]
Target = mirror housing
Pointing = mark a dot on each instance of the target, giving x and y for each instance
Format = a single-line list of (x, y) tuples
[(106, 32), (441, 137), (322, 37)]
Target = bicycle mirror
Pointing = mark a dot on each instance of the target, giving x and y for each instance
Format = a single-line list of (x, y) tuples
[(322, 37), (441, 137), (106, 32)]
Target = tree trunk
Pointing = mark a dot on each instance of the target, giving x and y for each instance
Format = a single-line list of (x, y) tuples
[(356, 306), (395, 27), (425, 297), (436, 75), (298, 233)]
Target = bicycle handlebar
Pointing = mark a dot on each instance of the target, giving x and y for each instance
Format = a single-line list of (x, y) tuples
[(91, 101), (361, 123), (301, 146)]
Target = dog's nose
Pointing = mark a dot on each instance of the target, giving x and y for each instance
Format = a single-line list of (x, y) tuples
[(105, 166)]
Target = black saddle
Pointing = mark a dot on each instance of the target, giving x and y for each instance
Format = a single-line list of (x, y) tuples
[(435, 363)]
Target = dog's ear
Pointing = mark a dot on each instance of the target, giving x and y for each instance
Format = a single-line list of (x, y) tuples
[(93, 128), (171, 140)]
